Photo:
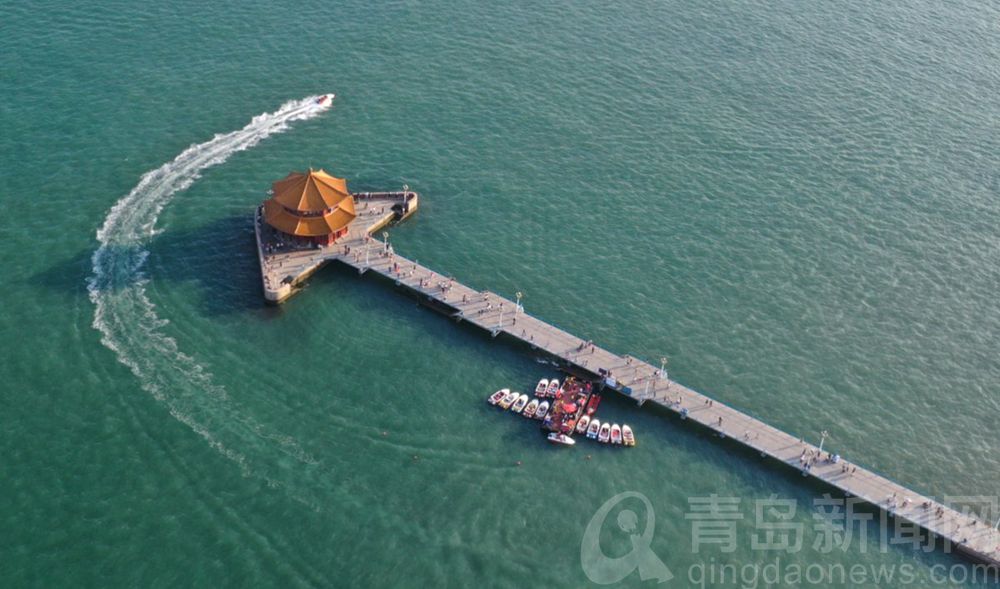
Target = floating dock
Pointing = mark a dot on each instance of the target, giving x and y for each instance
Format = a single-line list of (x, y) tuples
[(284, 266)]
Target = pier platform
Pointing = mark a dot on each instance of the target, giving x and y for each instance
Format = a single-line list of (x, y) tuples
[(286, 262), (284, 268)]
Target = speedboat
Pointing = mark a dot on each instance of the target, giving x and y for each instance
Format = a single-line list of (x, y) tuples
[(553, 388), (616, 434), (563, 439), (595, 426), (508, 399), (582, 426), (605, 433), (592, 404), (541, 387), (325, 99), (518, 405), (628, 436), (529, 411), (497, 396), (542, 410)]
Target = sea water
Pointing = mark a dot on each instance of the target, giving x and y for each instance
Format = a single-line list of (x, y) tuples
[(795, 202)]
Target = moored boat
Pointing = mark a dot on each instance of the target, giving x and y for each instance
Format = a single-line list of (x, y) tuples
[(542, 387), (627, 436), (518, 405), (605, 434), (553, 388), (592, 404), (563, 439), (584, 423), (497, 396), (529, 411), (508, 400), (595, 426), (616, 434), (542, 411)]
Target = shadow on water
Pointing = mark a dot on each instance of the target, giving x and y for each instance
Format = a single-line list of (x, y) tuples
[(219, 258)]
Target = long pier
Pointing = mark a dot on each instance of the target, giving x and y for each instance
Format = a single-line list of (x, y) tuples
[(284, 268)]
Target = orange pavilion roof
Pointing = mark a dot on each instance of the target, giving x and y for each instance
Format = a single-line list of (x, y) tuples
[(313, 191), (282, 219), (310, 204)]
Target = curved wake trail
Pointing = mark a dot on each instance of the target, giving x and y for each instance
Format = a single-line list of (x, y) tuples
[(128, 321)]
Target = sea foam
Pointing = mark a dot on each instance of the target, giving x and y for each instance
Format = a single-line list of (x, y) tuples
[(127, 318)]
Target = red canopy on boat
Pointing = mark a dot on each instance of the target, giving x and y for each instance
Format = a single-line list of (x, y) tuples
[(570, 407)]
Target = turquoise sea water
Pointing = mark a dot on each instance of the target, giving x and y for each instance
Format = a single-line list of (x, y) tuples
[(797, 202)]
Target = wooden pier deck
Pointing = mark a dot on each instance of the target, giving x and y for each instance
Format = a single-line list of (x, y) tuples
[(636, 378)]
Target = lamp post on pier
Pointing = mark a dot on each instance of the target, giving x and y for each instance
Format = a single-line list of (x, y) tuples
[(385, 248), (663, 370), (822, 438), (519, 308)]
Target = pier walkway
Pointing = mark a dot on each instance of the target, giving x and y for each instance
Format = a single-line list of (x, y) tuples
[(634, 377)]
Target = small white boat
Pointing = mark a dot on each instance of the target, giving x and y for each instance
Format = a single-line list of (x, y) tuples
[(581, 427), (518, 405), (541, 387), (506, 402), (605, 434), (628, 436), (595, 426), (616, 434), (557, 438), (529, 411), (553, 388), (542, 410), (326, 99), (497, 396)]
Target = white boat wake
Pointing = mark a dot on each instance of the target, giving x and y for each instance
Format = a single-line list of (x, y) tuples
[(127, 318)]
